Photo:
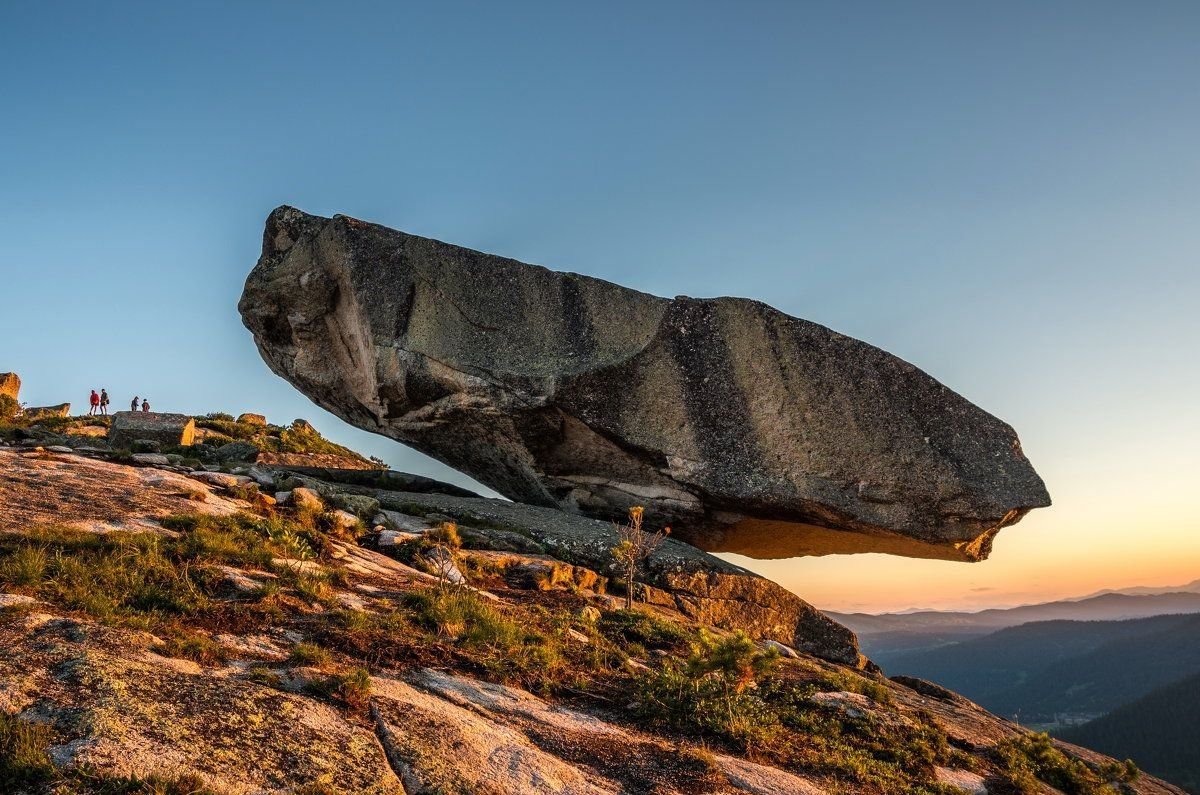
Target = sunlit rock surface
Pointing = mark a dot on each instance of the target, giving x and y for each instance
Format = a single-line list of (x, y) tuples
[(746, 429)]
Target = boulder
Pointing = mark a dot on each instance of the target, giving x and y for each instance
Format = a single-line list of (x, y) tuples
[(343, 521), (252, 419), (150, 459), (748, 430), (43, 412), (306, 499), (10, 385), (313, 461), (221, 480), (236, 451), (169, 430)]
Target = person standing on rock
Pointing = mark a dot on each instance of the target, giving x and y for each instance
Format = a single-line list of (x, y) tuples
[(145, 405), (104, 401), (133, 404), (94, 402)]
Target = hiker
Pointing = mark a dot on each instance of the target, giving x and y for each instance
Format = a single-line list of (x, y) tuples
[(94, 400), (104, 402), (145, 405), (133, 404)]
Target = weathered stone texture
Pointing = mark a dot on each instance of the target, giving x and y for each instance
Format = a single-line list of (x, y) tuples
[(38, 412), (10, 385), (747, 429), (167, 429)]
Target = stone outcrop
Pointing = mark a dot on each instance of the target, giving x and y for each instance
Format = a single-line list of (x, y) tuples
[(169, 430), (248, 418), (10, 385), (704, 588), (747, 429), (313, 461), (40, 412)]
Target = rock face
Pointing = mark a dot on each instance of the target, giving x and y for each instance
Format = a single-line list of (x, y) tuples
[(748, 430), (314, 460), (702, 587), (166, 429), (10, 385)]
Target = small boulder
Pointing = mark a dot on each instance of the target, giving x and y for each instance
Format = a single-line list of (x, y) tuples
[(151, 459), (236, 451), (440, 563), (962, 780), (145, 446), (306, 499), (252, 419), (265, 480), (221, 479), (784, 650), (358, 504), (343, 520), (303, 426)]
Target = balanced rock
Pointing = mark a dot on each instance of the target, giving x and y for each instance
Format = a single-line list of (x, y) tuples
[(747, 429), (169, 430)]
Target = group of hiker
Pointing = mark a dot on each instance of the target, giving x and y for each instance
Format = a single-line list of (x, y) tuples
[(99, 403)]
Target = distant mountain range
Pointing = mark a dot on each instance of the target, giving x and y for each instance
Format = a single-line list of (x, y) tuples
[(1048, 671), (1144, 590), (883, 635), (1118, 670), (1160, 731)]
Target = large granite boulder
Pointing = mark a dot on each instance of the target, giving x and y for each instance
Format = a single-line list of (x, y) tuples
[(747, 429), (168, 430), (10, 385), (43, 412)]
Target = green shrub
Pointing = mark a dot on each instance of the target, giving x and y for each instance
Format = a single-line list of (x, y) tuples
[(642, 627), (196, 647), (25, 566), (8, 407), (708, 692), (23, 753), (352, 689), (309, 654), (1030, 758)]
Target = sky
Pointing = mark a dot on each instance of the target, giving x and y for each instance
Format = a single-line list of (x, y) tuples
[(1004, 194)]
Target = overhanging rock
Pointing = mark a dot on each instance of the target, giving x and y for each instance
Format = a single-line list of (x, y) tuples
[(746, 429)]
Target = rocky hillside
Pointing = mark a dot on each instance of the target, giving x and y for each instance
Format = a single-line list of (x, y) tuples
[(250, 628)]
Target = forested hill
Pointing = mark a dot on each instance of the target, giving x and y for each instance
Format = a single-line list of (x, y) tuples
[(1047, 669), (1160, 731)]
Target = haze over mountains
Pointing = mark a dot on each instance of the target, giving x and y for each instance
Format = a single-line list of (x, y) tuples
[(1118, 670), (890, 632)]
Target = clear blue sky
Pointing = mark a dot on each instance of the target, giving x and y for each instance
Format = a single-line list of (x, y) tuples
[(1005, 194)]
